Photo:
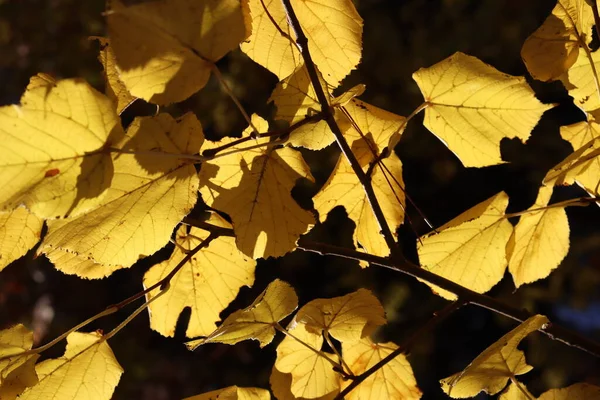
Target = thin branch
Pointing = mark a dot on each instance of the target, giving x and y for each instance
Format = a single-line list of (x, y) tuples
[(553, 331), (576, 202), (594, 5), (404, 347), (302, 44), (280, 133), (163, 284)]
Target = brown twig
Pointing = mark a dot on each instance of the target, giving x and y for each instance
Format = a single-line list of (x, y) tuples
[(404, 347), (594, 6), (553, 331), (279, 133), (302, 44)]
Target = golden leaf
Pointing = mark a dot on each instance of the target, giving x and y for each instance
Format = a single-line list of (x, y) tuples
[(207, 283), (18, 372), (20, 230), (470, 249), (258, 320), (491, 370), (346, 318), (585, 169), (394, 381), (344, 189), (472, 107), (333, 28), (540, 241), (555, 46), (165, 49), (281, 387), (53, 148), (87, 371), (312, 374), (150, 193), (583, 83), (254, 188), (233, 393), (516, 391), (115, 88)]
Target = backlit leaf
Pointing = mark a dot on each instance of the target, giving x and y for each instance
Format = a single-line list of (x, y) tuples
[(281, 387), (578, 391), (87, 371), (254, 188), (344, 189), (472, 106), (165, 49), (587, 170), (394, 381), (516, 392), (346, 318), (206, 284), (257, 321), (80, 265), (471, 249), (150, 193), (18, 372), (555, 46), (333, 28), (234, 393), (583, 83), (115, 88), (540, 241), (53, 148), (312, 375), (492, 369), (296, 100), (20, 230)]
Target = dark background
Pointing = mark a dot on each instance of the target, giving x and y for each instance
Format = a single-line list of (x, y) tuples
[(399, 38)]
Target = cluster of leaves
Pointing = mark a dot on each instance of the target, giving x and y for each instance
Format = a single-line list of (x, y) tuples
[(110, 196)]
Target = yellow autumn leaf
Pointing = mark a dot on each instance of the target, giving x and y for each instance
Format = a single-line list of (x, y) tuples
[(18, 372), (540, 241), (87, 371), (346, 318), (20, 230), (295, 99), (333, 28), (312, 374), (491, 370), (394, 381), (583, 83), (80, 265), (472, 106), (257, 321), (516, 391), (470, 249), (555, 46), (206, 284), (115, 88), (234, 393), (150, 193), (578, 391), (53, 148), (586, 173), (165, 49), (281, 385), (254, 188), (344, 189)]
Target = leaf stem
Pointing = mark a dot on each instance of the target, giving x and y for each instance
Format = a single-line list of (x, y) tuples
[(404, 347), (579, 202), (302, 44)]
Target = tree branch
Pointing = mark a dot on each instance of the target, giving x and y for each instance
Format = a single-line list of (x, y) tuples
[(302, 44), (555, 332), (404, 347)]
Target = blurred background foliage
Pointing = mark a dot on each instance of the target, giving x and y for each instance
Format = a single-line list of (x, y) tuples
[(399, 37)]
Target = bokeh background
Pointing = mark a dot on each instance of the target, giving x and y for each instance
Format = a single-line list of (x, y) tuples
[(400, 36)]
